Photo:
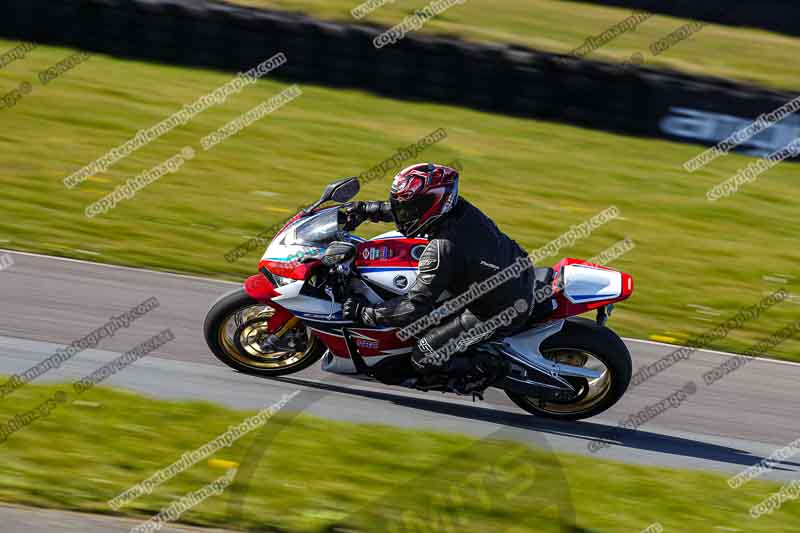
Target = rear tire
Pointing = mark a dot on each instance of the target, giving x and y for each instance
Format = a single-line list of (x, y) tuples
[(582, 336), (238, 312)]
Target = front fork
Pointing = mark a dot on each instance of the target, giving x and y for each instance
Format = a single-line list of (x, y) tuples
[(259, 288), (274, 341)]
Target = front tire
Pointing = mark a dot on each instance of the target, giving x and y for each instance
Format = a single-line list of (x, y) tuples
[(582, 342), (235, 328)]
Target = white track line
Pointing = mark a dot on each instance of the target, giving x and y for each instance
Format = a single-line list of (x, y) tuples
[(198, 278), (715, 352), (119, 267)]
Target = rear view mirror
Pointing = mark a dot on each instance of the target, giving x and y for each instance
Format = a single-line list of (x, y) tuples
[(339, 191), (344, 190)]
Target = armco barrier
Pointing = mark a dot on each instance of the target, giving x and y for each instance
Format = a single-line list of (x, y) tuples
[(503, 79)]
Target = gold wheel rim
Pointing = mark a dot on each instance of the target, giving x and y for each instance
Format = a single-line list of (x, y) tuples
[(598, 388), (251, 323)]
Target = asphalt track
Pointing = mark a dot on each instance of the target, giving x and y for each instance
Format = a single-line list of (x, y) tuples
[(28, 520), (50, 302)]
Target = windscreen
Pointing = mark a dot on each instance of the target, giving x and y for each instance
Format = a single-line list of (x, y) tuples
[(320, 228)]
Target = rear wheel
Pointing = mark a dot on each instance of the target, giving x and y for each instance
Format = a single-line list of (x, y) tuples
[(583, 343), (236, 332)]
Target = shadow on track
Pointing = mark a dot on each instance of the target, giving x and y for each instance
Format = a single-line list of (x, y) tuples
[(589, 431)]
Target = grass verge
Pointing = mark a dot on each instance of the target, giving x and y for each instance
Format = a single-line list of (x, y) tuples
[(695, 262), (314, 474), (729, 52)]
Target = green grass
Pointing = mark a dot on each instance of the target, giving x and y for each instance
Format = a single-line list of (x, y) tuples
[(536, 179), (314, 473), (725, 51)]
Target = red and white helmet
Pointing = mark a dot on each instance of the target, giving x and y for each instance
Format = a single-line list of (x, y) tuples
[(422, 194)]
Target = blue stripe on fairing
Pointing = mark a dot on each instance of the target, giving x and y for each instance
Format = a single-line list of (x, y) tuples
[(590, 296), (384, 269), (336, 319)]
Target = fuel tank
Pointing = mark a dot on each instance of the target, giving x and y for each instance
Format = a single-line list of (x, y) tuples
[(390, 261)]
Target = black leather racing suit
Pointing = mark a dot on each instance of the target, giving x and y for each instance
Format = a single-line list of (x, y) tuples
[(466, 247)]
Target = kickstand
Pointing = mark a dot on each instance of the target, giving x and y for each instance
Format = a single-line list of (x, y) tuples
[(478, 395)]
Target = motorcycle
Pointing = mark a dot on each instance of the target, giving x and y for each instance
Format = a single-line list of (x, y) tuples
[(289, 316)]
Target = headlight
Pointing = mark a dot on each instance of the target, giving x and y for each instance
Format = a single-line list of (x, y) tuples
[(281, 281)]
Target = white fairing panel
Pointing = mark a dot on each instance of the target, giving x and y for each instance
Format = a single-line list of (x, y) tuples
[(302, 305), (388, 235), (292, 252), (396, 280), (583, 283)]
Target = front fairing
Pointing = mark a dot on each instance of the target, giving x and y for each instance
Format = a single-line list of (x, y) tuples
[(302, 241)]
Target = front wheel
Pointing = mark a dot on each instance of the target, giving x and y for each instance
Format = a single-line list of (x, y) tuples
[(583, 343), (236, 332)]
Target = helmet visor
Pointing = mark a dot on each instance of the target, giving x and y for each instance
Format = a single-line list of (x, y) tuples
[(408, 214)]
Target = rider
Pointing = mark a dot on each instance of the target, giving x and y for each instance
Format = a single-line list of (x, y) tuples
[(465, 247)]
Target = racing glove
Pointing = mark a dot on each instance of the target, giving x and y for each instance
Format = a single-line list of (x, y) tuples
[(358, 311), (357, 212)]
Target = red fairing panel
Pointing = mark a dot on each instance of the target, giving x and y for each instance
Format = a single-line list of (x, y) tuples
[(298, 216), (567, 308), (335, 343), (396, 252), (259, 288), (290, 269), (378, 341), (370, 342)]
